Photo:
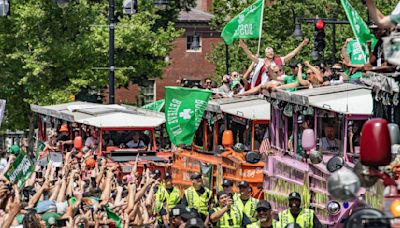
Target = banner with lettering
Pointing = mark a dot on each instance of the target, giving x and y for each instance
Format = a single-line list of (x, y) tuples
[(360, 30), (184, 108), (245, 25), (20, 171)]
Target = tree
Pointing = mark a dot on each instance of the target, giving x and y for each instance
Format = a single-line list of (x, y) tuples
[(49, 54), (278, 27)]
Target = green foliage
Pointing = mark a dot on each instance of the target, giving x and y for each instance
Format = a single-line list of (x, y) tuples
[(278, 27), (48, 54)]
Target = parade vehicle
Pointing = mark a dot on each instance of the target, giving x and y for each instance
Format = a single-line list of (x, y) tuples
[(226, 144), (309, 127), (113, 126)]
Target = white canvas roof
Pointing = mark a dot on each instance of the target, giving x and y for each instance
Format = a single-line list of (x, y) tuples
[(253, 110), (250, 107), (102, 116), (123, 120), (356, 102), (344, 98)]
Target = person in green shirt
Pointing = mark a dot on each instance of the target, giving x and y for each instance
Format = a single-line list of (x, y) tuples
[(303, 124), (289, 79), (354, 56)]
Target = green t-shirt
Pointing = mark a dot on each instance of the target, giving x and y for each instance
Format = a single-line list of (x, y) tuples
[(356, 55), (292, 79), (299, 146)]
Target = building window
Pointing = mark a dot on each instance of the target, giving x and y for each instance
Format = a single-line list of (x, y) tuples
[(147, 90), (189, 42)]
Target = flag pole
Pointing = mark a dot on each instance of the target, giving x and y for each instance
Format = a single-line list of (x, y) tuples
[(261, 24)]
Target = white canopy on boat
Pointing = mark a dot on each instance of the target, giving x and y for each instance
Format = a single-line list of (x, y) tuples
[(102, 116)]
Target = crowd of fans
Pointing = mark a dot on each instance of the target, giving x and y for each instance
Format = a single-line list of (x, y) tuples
[(272, 72), (87, 192)]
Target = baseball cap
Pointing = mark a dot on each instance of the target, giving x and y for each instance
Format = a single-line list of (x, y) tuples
[(227, 183), (50, 218), (168, 176), (244, 184), (300, 119), (294, 63), (263, 204), (294, 195), (157, 173), (45, 205), (14, 149), (194, 223), (373, 26), (195, 176), (221, 193)]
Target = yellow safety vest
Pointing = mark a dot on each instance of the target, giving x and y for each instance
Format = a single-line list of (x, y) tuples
[(200, 203), (249, 209), (258, 224), (172, 198), (160, 197), (304, 219), (235, 215)]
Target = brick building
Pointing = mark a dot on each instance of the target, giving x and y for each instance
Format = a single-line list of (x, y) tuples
[(184, 62)]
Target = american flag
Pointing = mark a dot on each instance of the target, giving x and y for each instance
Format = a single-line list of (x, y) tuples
[(265, 146)]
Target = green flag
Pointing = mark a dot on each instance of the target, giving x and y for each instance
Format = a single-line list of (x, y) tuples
[(155, 106), (245, 25), (359, 27), (111, 215), (184, 109), (39, 148), (20, 171)]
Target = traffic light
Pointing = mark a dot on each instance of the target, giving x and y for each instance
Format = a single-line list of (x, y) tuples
[(319, 36)]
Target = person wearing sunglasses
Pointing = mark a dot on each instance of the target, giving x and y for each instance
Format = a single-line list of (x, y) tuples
[(313, 78), (264, 216), (227, 214)]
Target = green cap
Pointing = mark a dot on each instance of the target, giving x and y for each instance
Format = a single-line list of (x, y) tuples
[(50, 218), (14, 149), (235, 83)]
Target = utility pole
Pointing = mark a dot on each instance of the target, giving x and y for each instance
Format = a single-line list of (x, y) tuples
[(111, 77)]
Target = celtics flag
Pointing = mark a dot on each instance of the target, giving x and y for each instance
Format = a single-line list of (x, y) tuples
[(20, 171), (359, 27), (155, 106), (184, 109), (245, 25), (113, 216)]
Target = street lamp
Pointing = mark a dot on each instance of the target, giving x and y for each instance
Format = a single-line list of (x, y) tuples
[(62, 3), (4, 8), (298, 34), (129, 7)]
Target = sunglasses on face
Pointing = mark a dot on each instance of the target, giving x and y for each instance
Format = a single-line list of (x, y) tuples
[(309, 73), (265, 210)]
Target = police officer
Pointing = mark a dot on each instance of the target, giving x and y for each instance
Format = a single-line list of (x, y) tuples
[(264, 216), (245, 202), (305, 218), (197, 196), (227, 186), (178, 216), (160, 193), (172, 194), (227, 214)]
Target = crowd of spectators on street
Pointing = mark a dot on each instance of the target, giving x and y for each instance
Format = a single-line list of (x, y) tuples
[(86, 191)]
